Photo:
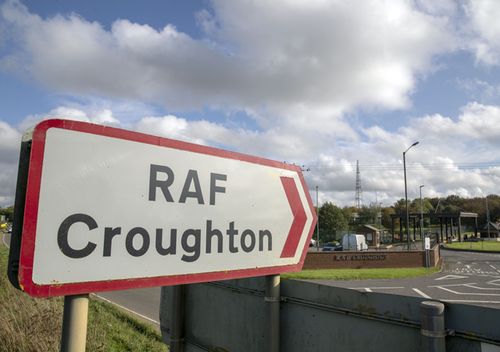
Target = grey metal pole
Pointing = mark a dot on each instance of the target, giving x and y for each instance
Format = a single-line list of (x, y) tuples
[(273, 299), (488, 217), (406, 196), (407, 225), (74, 328), (432, 330), (178, 317), (317, 222), (421, 215)]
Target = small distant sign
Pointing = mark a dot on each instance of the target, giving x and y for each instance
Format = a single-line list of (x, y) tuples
[(110, 209), (427, 243)]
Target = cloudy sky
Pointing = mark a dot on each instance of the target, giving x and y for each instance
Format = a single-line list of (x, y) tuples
[(319, 83)]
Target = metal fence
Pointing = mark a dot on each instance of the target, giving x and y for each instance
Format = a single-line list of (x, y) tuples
[(231, 316)]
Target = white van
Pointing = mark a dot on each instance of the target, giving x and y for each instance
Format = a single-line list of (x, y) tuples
[(354, 242)]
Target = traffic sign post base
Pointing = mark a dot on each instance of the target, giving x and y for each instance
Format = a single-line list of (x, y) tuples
[(273, 298), (74, 329), (178, 311)]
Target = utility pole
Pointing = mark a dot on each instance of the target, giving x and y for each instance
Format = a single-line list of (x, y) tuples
[(358, 199)]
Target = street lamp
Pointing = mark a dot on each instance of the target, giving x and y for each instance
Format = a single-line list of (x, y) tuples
[(488, 216), (421, 214), (317, 222), (406, 195)]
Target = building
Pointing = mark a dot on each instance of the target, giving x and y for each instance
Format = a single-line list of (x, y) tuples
[(493, 232), (373, 235)]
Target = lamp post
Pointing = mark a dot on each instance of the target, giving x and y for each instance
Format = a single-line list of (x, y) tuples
[(406, 195), (317, 222), (488, 216), (421, 215)]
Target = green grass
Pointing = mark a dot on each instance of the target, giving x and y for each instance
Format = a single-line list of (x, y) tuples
[(360, 274), (34, 324), (478, 246)]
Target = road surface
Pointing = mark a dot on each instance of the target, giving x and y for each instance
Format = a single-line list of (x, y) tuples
[(144, 302), (471, 278)]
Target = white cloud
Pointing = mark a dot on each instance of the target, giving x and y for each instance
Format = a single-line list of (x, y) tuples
[(103, 116), (483, 19), (444, 160), (9, 150), (286, 56), (455, 156), (298, 68)]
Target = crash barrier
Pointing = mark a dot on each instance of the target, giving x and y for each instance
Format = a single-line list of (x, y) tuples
[(371, 259), (231, 316)]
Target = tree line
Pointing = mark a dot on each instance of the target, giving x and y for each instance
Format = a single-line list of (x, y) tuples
[(334, 220), (8, 212)]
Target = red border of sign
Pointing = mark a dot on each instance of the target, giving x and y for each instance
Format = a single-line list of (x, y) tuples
[(31, 213)]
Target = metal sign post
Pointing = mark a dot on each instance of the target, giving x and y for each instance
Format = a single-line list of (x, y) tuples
[(178, 316), (273, 299), (74, 328), (427, 247)]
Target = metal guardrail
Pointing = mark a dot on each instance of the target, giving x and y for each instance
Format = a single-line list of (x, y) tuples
[(311, 310)]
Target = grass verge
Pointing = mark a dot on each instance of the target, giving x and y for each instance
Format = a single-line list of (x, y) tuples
[(486, 246), (360, 274), (34, 324)]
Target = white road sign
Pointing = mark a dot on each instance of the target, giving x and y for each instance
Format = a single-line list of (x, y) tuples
[(112, 209)]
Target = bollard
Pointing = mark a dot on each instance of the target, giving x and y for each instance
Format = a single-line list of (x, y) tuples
[(432, 329)]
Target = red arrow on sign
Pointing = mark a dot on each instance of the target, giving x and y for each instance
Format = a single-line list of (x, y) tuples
[(299, 217)]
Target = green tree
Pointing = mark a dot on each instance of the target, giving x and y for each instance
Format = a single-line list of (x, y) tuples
[(386, 217), (8, 212), (331, 222), (350, 214), (368, 215)]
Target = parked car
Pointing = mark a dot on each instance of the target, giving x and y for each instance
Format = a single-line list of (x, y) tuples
[(354, 242), (332, 247)]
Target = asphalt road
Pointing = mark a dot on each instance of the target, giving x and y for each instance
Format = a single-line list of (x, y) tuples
[(470, 278), (144, 302)]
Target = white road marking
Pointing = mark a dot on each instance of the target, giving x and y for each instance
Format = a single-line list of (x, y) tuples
[(375, 288), (493, 267), (451, 277), (468, 293), (421, 293), (3, 240), (127, 309), (452, 285), (494, 282), (482, 288), (468, 301), (368, 290)]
